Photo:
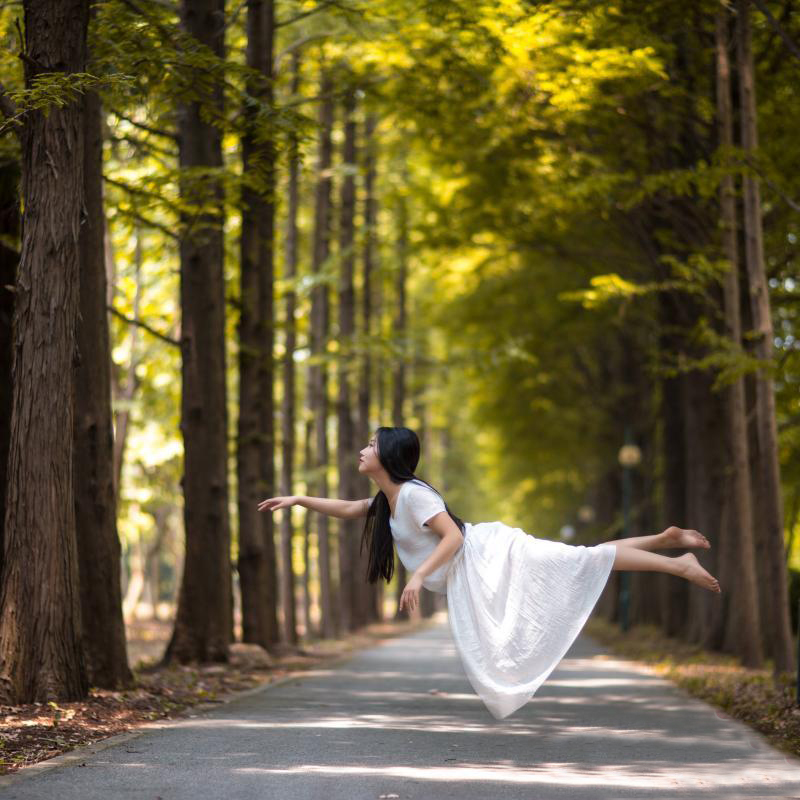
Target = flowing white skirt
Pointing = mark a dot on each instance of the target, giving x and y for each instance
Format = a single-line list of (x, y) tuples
[(515, 604)]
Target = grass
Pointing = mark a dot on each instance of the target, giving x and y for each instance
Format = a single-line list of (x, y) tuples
[(752, 696)]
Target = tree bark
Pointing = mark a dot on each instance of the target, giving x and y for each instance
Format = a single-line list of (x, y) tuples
[(9, 260), (373, 590), (351, 599), (399, 371), (739, 608), (124, 393), (254, 466), (41, 654), (204, 623), (674, 593), (704, 449), (308, 464), (288, 401), (266, 292), (93, 455), (775, 611), (428, 600), (318, 370)]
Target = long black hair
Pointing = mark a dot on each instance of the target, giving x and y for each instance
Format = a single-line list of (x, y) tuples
[(398, 452)]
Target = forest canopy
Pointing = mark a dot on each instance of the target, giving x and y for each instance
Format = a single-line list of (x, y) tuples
[(533, 232)]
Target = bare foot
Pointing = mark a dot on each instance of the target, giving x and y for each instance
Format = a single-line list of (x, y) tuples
[(682, 537), (692, 571)]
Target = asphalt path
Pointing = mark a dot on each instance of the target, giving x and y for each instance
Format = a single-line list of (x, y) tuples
[(400, 720)]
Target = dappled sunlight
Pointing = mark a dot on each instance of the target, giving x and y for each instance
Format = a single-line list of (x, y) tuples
[(376, 674), (369, 729), (433, 724), (555, 774), (585, 683)]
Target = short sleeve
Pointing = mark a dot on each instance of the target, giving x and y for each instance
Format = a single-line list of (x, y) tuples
[(425, 503)]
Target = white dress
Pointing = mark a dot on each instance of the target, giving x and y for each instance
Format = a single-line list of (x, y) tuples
[(515, 603)]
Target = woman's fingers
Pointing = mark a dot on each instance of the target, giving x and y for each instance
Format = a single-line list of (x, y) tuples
[(409, 600), (272, 503)]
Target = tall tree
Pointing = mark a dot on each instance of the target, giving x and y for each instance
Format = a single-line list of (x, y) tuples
[(288, 400), (427, 599), (257, 573), (374, 591), (266, 300), (9, 259), (399, 370), (124, 390), (308, 465), (351, 603), (320, 315), (738, 562), (41, 662), (204, 623), (775, 613), (93, 455)]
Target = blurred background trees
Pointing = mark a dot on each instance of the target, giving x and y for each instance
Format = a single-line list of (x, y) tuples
[(532, 232)]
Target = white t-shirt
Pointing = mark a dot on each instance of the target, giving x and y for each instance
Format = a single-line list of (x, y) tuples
[(416, 504)]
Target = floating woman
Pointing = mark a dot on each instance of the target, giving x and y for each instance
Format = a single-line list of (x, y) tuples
[(515, 603)]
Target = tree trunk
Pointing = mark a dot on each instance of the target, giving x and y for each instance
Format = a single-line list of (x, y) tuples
[(95, 501), (399, 378), (775, 612), (365, 488), (124, 393), (675, 593), (645, 603), (254, 468), (427, 599), (266, 292), (137, 561), (318, 370), (705, 488), (153, 555), (605, 503), (41, 653), (9, 259), (308, 463), (288, 404), (738, 609), (351, 601), (203, 624)]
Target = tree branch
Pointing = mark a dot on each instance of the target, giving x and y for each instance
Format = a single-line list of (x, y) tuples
[(149, 223), (778, 28), (147, 128), (154, 22), (142, 192), (152, 331), (303, 14), (150, 149), (7, 105), (772, 185)]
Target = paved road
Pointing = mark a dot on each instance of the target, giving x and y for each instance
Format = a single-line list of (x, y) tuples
[(370, 727)]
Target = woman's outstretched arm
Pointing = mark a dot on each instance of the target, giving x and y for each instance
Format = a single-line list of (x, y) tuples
[(344, 509)]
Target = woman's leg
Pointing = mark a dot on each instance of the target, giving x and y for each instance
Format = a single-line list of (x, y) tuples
[(685, 566), (670, 538)]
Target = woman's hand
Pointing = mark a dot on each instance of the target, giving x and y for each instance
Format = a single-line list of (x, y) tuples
[(274, 503), (410, 596)]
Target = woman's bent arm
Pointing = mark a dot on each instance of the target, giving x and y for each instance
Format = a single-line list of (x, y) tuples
[(344, 509)]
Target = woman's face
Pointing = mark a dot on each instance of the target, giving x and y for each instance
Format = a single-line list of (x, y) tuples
[(368, 462)]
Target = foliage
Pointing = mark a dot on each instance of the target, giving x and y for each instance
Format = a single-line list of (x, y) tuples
[(560, 168)]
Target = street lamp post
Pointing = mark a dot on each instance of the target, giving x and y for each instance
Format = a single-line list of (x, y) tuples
[(629, 456)]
